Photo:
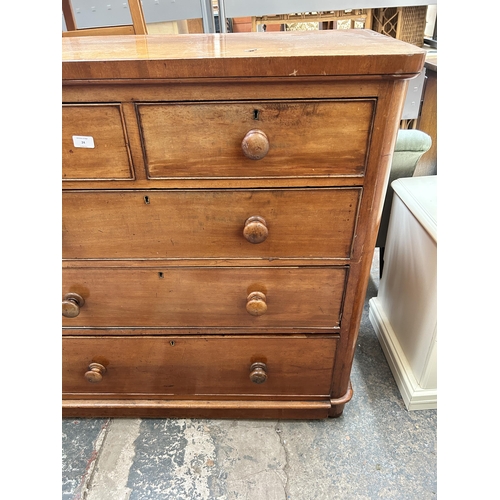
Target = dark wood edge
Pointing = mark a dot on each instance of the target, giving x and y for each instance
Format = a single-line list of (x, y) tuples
[(233, 409), (345, 398), (183, 403), (184, 81)]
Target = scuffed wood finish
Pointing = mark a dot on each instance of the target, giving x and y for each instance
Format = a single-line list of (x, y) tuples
[(221, 235), (210, 298), (300, 223), (212, 408), (335, 133), (255, 144), (235, 55), (110, 156), (255, 230), (187, 367)]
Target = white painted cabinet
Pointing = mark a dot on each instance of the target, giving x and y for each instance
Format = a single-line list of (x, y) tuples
[(404, 313)]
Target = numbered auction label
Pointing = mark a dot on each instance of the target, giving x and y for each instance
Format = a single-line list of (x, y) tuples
[(81, 141)]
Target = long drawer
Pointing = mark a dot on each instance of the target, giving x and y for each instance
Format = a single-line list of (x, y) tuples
[(126, 367), (256, 139), (205, 297), (293, 223)]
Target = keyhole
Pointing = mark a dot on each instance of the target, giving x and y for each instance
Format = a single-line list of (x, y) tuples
[(146, 200), (256, 114)]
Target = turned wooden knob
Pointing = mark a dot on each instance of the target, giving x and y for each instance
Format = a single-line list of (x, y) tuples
[(95, 373), (255, 230), (258, 373), (256, 304), (255, 144), (71, 305)]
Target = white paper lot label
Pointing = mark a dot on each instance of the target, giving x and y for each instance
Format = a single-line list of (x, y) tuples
[(82, 141)]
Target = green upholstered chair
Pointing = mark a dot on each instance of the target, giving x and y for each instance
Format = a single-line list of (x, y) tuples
[(410, 146)]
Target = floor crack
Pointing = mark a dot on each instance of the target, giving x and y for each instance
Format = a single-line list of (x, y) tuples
[(92, 463), (286, 469)]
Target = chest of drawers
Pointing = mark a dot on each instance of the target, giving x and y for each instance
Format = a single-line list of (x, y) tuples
[(221, 200)]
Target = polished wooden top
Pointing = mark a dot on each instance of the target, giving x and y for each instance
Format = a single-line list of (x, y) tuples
[(279, 54)]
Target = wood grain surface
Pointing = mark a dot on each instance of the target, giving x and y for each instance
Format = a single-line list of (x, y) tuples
[(306, 138), (191, 297), (183, 366), (280, 54), (166, 224), (195, 136)]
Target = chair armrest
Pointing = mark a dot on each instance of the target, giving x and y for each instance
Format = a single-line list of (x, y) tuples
[(413, 141)]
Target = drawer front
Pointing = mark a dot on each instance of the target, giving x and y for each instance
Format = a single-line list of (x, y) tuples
[(101, 128), (304, 138), (191, 297), (302, 223), (190, 366)]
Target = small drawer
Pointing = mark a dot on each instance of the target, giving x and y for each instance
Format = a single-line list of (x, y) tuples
[(94, 143), (127, 367), (250, 298), (212, 224), (256, 139)]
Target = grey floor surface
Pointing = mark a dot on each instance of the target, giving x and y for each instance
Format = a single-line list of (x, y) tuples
[(376, 449)]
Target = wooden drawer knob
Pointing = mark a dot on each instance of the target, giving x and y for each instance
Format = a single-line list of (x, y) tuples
[(71, 305), (258, 373), (255, 144), (256, 304), (255, 230), (95, 373)]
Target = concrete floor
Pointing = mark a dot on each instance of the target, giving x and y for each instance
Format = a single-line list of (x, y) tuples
[(376, 449)]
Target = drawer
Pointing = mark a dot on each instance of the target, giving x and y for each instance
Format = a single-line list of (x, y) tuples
[(282, 138), (292, 223), (205, 297), (102, 129), (191, 366)]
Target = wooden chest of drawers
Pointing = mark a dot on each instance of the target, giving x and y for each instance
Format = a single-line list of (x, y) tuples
[(221, 200)]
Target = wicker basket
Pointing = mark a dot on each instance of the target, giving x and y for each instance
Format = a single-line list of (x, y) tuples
[(403, 23)]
